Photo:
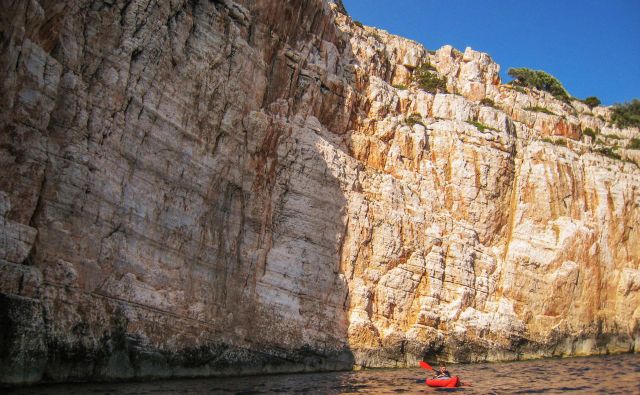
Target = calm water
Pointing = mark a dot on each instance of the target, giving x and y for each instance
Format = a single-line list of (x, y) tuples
[(592, 375)]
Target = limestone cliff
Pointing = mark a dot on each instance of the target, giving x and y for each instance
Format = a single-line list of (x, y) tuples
[(196, 187)]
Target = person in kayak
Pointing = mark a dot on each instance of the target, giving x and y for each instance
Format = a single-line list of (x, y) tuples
[(442, 373), (442, 377)]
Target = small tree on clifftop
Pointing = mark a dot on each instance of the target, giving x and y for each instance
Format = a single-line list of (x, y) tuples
[(591, 101), (539, 79)]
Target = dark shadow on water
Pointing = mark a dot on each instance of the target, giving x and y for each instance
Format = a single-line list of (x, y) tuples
[(581, 388)]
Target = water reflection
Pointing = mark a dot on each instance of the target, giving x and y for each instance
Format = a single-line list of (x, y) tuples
[(592, 375)]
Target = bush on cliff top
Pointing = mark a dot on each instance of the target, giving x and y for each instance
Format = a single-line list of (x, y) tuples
[(591, 101), (627, 114), (539, 79)]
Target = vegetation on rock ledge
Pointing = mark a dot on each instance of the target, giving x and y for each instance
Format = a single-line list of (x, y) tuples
[(481, 127), (627, 114), (589, 132), (634, 144), (487, 102), (413, 119), (560, 142), (539, 109), (609, 152), (426, 79)]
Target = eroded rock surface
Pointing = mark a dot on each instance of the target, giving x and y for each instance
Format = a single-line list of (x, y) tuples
[(200, 188)]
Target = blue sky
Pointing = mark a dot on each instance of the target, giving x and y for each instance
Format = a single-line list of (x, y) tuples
[(591, 46)]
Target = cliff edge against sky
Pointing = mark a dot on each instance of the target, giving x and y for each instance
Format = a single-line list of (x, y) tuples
[(195, 188)]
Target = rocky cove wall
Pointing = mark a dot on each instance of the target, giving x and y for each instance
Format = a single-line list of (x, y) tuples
[(195, 188)]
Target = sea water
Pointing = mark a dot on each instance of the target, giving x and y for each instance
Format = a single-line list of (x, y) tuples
[(614, 374)]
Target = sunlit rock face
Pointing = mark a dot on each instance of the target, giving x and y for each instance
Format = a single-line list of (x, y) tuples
[(195, 188)]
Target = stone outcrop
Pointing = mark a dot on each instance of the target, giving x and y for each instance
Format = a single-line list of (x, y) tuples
[(195, 188)]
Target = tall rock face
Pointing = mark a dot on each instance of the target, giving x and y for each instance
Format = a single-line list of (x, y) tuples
[(198, 187)]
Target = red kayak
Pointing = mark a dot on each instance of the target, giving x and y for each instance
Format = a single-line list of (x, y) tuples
[(448, 382)]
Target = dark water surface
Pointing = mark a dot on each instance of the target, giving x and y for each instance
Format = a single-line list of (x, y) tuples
[(619, 374)]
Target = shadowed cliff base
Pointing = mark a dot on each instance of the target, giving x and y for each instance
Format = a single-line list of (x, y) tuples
[(30, 357)]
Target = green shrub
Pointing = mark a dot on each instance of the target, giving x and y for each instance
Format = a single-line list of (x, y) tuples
[(539, 109), (626, 114), (539, 79), (608, 152), (358, 23), (481, 127), (591, 101), (634, 144), (589, 132), (413, 119), (560, 142), (429, 81), (487, 102), (400, 87), (611, 136), (432, 51)]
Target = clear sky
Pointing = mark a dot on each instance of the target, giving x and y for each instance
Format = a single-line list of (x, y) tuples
[(591, 46)]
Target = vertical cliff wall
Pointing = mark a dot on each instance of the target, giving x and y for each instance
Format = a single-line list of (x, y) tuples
[(488, 226), (215, 187), (165, 208)]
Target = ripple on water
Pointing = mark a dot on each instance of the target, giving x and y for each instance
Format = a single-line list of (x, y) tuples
[(532, 391)]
